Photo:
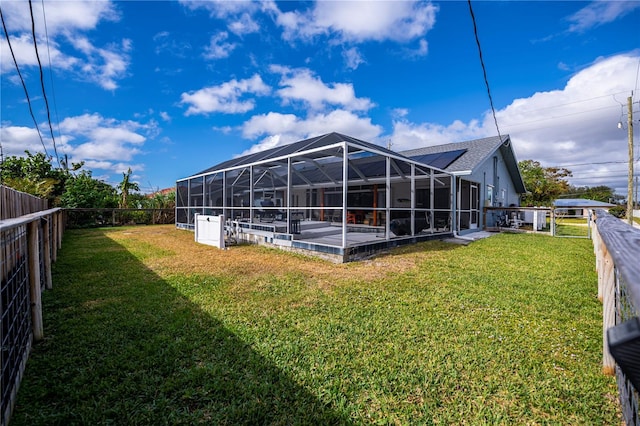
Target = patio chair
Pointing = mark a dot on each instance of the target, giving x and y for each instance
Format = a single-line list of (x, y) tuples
[(266, 215)]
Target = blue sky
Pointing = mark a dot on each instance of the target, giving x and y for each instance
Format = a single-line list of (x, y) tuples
[(171, 88)]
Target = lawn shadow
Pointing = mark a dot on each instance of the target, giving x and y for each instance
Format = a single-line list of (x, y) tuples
[(123, 346)]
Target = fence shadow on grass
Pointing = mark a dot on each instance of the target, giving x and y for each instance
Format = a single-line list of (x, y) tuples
[(123, 346)]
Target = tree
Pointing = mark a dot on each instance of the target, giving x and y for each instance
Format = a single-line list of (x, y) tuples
[(83, 191), (544, 184), (598, 193), (34, 175), (160, 200), (125, 187)]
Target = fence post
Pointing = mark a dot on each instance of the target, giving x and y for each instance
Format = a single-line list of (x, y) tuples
[(46, 253), (600, 249), (54, 235), (61, 222), (34, 280), (608, 311)]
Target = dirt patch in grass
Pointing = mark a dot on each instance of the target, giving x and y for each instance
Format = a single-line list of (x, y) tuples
[(246, 263)]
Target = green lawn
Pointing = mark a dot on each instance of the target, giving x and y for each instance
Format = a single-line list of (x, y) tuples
[(144, 326), (572, 227)]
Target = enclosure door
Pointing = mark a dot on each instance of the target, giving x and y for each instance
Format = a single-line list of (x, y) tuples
[(475, 207)]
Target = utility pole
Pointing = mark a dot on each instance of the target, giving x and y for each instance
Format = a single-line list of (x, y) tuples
[(630, 178), (636, 197)]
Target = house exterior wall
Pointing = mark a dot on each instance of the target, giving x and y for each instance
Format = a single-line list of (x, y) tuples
[(493, 173), (496, 186)]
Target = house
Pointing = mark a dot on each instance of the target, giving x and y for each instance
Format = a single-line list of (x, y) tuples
[(486, 171), (347, 198), (579, 207)]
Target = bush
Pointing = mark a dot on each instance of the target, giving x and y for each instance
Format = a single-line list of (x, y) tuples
[(618, 211)]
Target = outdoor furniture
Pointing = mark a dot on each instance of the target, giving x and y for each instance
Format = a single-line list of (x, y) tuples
[(515, 221), (266, 215)]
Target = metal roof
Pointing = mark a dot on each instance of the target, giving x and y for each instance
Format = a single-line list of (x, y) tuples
[(316, 161), (580, 202), (457, 158), (475, 153), (312, 144)]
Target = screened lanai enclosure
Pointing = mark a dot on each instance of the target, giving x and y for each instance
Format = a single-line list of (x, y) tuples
[(334, 195)]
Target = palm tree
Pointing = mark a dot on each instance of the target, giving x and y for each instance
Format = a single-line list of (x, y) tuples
[(125, 187)]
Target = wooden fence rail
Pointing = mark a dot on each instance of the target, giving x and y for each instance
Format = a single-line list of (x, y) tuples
[(28, 246), (617, 249)]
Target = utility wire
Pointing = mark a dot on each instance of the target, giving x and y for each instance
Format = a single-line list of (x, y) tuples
[(592, 164), (484, 70), (53, 92), (24, 86), (44, 92)]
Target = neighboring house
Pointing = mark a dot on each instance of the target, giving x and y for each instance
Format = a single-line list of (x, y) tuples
[(579, 206), (337, 194), (487, 175)]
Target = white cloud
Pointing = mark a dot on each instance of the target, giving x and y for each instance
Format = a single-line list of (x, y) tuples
[(22, 46), (18, 139), (104, 150), (105, 139), (168, 43), (301, 85), (352, 58), (361, 20), (244, 25), (225, 97), (218, 47), (572, 125), (103, 65), (165, 116), (599, 13), (67, 23), (281, 129), (239, 15), (63, 17), (422, 50), (102, 143)]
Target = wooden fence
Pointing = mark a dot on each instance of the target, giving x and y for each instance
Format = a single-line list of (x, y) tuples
[(617, 249), (15, 203), (28, 246)]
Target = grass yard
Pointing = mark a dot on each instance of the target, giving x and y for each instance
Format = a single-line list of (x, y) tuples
[(144, 326), (572, 227)]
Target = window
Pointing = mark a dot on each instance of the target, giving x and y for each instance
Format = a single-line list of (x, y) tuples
[(490, 200)]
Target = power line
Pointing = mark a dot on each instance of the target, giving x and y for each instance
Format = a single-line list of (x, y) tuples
[(619, 176), (557, 116), (24, 86), (546, 108), (592, 164), (484, 70), (53, 92), (44, 92)]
